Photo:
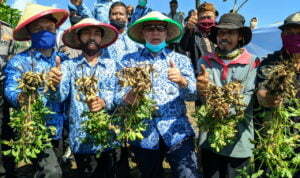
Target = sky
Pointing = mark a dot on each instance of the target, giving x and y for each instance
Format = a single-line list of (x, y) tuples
[(268, 12)]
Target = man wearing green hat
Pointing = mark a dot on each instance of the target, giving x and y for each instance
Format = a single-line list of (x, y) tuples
[(169, 134), (230, 62)]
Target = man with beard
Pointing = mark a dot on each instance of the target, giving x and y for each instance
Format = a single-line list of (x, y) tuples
[(290, 34), (195, 42), (38, 24), (90, 36), (229, 63), (119, 18)]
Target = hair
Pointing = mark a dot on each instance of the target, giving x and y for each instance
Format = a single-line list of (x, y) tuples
[(207, 7), (173, 2), (116, 4)]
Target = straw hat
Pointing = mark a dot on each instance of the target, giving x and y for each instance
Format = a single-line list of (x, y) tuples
[(70, 36), (33, 12), (174, 29), (291, 20)]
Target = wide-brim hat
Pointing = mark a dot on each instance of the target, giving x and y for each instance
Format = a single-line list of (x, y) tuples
[(31, 13), (71, 39), (174, 29), (293, 19), (232, 21)]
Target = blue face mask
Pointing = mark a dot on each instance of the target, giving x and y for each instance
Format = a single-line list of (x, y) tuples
[(143, 3), (43, 40), (156, 48)]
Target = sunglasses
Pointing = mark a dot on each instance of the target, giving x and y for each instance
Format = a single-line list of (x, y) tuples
[(152, 28)]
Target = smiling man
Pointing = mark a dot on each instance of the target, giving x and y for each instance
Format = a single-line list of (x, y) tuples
[(229, 63), (169, 134)]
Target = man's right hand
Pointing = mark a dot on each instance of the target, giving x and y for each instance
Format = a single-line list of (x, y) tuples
[(192, 21), (55, 74), (266, 100), (202, 80)]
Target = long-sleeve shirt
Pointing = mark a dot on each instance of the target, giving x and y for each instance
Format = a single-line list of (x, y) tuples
[(124, 45), (101, 10), (221, 73), (170, 122), (32, 60), (139, 12), (72, 69), (81, 10)]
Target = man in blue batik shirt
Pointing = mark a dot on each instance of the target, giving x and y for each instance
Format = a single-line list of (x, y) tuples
[(169, 133), (124, 45), (78, 11), (140, 10), (90, 36), (38, 24)]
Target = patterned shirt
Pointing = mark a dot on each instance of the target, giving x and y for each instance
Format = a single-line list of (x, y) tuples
[(81, 10), (101, 11), (124, 45), (170, 122), (32, 60), (139, 12), (75, 68)]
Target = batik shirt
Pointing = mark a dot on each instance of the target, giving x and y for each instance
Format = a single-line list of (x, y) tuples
[(139, 12), (72, 69), (101, 11), (170, 122), (32, 60), (124, 45), (81, 10)]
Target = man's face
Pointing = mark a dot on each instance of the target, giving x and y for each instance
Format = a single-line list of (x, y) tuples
[(206, 15), (291, 30), (173, 7), (155, 32), (91, 36), (129, 10), (227, 40), (76, 2), (42, 24), (119, 13)]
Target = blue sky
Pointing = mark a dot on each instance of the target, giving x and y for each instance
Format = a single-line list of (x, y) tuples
[(267, 11)]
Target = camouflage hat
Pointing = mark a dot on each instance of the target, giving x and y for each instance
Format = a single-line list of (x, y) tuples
[(293, 19)]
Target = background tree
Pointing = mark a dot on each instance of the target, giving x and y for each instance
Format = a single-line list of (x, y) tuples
[(8, 14)]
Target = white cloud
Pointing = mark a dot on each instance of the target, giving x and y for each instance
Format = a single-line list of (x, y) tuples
[(21, 4)]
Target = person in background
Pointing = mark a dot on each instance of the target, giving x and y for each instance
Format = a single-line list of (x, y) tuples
[(290, 35), (253, 23), (130, 10), (191, 13), (195, 41), (124, 45), (169, 134), (101, 10), (230, 62), (140, 10), (38, 24), (177, 16), (78, 11)]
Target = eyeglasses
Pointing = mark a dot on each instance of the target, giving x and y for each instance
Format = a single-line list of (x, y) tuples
[(152, 28)]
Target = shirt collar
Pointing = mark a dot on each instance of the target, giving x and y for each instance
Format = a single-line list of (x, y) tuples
[(38, 55), (163, 54), (100, 60)]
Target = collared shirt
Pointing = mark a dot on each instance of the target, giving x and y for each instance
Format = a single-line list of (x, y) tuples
[(170, 122), (101, 10), (243, 69), (123, 45), (75, 68), (139, 12), (81, 10), (178, 17), (32, 60)]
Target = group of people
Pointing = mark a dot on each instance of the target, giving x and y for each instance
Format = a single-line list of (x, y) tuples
[(207, 52)]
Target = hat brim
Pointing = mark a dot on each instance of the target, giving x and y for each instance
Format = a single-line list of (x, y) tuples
[(174, 29), (246, 32), (281, 27), (70, 36), (22, 34)]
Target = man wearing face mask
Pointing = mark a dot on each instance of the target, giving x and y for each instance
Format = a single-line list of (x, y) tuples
[(195, 42), (169, 134), (90, 36), (140, 10), (124, 45), (38, 24), (230, 62), (290, 35)]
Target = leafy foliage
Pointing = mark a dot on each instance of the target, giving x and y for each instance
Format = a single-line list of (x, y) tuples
[(215, 116), (9, 15)]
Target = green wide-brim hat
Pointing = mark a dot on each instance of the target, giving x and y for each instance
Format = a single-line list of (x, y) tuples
[(175, 30)]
